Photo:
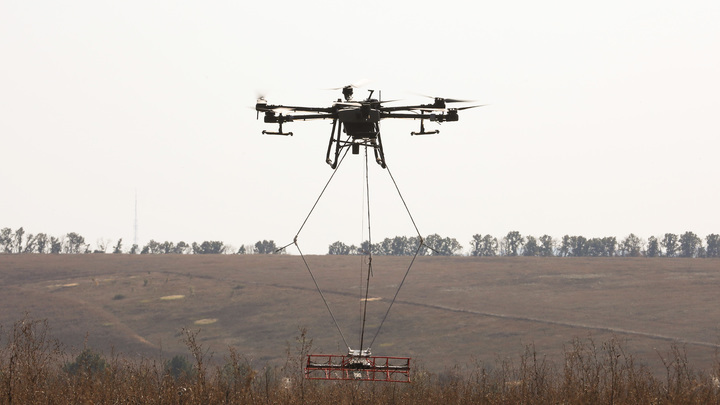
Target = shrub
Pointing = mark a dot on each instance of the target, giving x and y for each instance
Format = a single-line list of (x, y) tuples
[(88, 362), (179, 367)]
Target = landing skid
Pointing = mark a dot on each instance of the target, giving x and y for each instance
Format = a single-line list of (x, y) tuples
[(372, 140)]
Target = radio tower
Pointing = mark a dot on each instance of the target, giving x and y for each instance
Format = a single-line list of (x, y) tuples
[(135, 239)]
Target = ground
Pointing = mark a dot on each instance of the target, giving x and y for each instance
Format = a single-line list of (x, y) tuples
[(451, 311)]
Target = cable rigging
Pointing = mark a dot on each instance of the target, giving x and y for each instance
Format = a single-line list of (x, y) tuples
[(360, 359), (359, 120)]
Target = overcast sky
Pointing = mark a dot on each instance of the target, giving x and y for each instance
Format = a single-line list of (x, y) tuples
[(602, 118)]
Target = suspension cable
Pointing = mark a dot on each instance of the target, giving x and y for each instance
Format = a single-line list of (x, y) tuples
[(316, 202), (369, 272), (421, 243), (307, 266), (361, 254), (404, 203)]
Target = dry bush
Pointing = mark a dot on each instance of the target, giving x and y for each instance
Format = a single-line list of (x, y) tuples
[(33, 370)]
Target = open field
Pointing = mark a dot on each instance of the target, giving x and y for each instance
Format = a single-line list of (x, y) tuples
[(451, 310)]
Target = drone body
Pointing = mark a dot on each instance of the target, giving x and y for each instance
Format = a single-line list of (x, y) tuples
[(359, 120)]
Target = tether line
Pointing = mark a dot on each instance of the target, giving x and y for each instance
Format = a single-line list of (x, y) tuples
[(397, 292), (369, 272), (404, 204), (307, 266), (421, 242), (316, 202)]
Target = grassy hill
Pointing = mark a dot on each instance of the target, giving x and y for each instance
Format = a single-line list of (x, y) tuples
[(452, 311)]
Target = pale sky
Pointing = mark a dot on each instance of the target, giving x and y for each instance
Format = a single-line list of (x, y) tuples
[(602, 118)]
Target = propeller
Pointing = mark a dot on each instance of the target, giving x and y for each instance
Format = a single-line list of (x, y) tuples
[(469, 107), (348, 90), (445, 100), (448, 100), (355, 85), (453, 100)]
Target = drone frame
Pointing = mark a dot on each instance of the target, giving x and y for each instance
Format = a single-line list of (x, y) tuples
[(360, 120)]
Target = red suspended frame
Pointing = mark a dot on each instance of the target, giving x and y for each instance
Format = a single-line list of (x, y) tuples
[(357, 368)]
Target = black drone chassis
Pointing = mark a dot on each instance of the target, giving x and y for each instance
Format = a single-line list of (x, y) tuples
[(360, 120)]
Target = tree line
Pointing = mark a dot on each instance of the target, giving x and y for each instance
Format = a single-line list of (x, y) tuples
[(687, 244), (434, 244), (19, 241)]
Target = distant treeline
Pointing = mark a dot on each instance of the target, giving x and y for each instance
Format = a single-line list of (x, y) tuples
[(687, 244), (73, 243)]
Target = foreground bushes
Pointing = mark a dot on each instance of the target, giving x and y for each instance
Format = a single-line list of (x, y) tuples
[(35, 369)]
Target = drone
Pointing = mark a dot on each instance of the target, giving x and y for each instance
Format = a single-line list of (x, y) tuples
[(359, 120)]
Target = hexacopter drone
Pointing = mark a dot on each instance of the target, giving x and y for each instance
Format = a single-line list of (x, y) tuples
[(360, 120)]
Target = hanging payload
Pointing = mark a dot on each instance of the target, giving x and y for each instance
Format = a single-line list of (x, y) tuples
[(357, 365)]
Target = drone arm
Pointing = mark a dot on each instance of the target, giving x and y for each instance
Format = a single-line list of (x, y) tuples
[(409, 116), (451, 115), (270, 107), (311, 117), (272, 118), (423, 107)]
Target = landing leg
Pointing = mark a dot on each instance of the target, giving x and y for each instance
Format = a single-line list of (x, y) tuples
[(379, 154), (334, 139)]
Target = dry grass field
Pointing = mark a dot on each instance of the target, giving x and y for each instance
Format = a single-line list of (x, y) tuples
[(451, 312)]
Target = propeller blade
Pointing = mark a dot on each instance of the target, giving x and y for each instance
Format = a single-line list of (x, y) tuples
[(469, 107), (454, 100), (355, 85), (447, 100), (389, 101)]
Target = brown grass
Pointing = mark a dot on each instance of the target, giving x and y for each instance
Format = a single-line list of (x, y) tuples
[(588, 373)]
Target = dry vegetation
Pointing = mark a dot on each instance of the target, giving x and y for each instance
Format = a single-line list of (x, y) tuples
[(480, 330), (31, 371)]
